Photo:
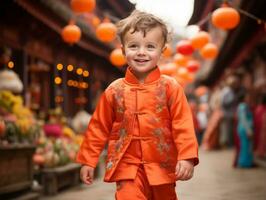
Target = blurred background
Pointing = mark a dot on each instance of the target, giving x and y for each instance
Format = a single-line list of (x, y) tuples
[(58, 56)]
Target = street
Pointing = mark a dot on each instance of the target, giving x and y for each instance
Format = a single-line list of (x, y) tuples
[(214, 179)]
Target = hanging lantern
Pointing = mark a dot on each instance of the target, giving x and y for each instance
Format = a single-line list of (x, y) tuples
[(182, 72), (106, 32), (81, 6), (193, 66), (167, 51), (225, 17), (200, 39), (184, 47), (209, 51), (168, 68), (95, 21), (180, 59), (71, 33), (117, 58)]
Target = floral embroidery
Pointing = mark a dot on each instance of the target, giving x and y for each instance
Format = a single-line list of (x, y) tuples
[(109, 165), (160, 94), (118, 90)]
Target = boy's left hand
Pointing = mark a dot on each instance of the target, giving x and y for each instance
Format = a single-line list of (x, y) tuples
[(184, 170)]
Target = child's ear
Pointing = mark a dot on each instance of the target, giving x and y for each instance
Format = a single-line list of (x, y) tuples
[(163, 49)]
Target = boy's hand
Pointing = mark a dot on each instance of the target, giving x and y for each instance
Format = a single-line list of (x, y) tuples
[(184, 170), (86, 174)]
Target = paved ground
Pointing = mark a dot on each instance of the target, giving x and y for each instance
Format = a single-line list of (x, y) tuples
[(214, 179)]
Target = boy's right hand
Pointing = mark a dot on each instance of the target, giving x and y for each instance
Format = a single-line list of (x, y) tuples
[(86, 174)]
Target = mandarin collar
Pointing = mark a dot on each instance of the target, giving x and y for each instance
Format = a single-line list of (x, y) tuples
[(152, 76)]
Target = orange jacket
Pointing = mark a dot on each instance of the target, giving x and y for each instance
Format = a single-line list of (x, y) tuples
[(156, 113)]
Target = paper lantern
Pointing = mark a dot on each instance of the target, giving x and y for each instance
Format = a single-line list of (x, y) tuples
[(106, 32), (200, 39), (184, 47), (81, 6), (167, 51), (71, 33), (181, 59), (168, 68), (225, 17), (193, 66), (182, 72), (117, 58), (209, 51)]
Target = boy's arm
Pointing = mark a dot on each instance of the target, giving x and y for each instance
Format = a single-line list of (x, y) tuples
[(182, 125), (97, 133)]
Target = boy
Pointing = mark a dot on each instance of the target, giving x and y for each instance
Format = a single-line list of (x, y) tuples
[(145, 118)]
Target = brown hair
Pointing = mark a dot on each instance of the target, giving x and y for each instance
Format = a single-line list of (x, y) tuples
[(143, 22)]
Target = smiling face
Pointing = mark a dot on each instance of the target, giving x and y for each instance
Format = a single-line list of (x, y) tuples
[(143, 52)]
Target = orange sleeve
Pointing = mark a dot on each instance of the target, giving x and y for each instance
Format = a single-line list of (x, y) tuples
[(182, 125), (97, 133)]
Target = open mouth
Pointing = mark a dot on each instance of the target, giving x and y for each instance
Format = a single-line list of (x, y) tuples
[(141, 60)]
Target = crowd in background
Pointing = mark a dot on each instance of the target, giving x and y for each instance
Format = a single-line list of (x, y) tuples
[(233, 115)]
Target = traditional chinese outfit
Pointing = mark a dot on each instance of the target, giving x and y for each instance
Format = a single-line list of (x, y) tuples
[(146, 124)]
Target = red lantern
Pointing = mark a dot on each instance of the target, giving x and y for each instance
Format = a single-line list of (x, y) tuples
[(184, 47), (81, 6), (193, 66), (209, 51), (71, 33), (181, 59), (106, 32), (225, 17), (117, 58), (168, 69), (199, 40), (167, 51)]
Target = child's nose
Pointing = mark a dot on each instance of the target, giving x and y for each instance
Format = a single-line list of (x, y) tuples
[(141, 51)]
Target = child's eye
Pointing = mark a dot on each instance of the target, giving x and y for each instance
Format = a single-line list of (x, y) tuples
[(132, 46), (151, 46)]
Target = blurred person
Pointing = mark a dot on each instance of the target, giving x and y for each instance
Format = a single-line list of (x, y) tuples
[(260, 127), (228, 106), (211, 135), (145, 118), (244, 131), (202, 120)]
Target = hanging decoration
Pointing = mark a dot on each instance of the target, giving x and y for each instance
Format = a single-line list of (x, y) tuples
[(180, 59), (71, 33), (193, 66), (81, 6), (209, 51), (169, 69), (106, 31), (117, 58), (184, 47), (225, 17), (200, 39)]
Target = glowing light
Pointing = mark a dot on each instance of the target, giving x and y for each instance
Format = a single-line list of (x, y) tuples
[(10, 64), (85, 73), (59, 66), (79, 71), (70, 68), (58, 80)]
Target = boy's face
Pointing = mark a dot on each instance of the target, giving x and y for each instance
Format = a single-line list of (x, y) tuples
[(143, 53)]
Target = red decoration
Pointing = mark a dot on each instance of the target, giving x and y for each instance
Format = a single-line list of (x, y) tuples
[(106, 32), (71, 33), (199, 40), (225, 17), (81, 6), (193, 66), (184, 47), (117, 58), (2, 127), (209, 51)]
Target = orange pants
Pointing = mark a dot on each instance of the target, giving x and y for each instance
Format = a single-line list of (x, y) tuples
[(139, 189)]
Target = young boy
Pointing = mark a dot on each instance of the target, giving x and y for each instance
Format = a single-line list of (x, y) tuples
[(145, 119)]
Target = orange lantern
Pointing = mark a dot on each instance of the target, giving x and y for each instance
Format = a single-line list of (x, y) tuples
[(81, 6), (225, 17), (106, 32), (168, 68), (167, 51), (117, 57), (209, 51), (182, 72), (95, 21), (199, 40), (181, 59), (193, 66), (71, 33), (184, 47)]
